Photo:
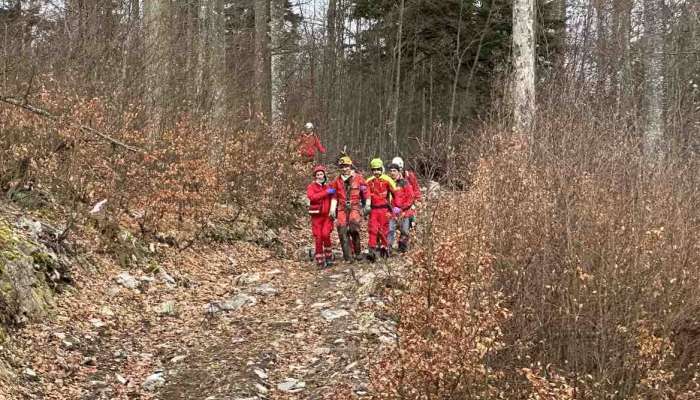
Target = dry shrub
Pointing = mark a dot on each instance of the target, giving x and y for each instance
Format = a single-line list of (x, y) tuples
[(450, 316), (178, 181), (547, 384), (596, 249), (591, 242)]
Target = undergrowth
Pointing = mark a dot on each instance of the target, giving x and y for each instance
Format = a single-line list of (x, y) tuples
[(568, 269)]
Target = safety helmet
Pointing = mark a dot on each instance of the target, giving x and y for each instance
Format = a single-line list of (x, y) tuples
[(376, 163), (344, 160), (309, 126), (318, 168), (398, 161)]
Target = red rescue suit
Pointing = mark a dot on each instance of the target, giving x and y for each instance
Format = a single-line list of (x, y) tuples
[(308, 144), (321, 222), (411, 177), (351, 194), (404, 197), (380, 190), (403, 200)]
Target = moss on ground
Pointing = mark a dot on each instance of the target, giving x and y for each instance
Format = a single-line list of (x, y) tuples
[(23, 287)]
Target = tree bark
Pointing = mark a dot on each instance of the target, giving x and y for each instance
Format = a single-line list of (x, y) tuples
[(263, 97), (202, 43), (127, 72), (329, 65), (277, 8), (555, 15), (397, 83), (156, 15), (623, 79), (524, 66), (217, 62), (654, 78)]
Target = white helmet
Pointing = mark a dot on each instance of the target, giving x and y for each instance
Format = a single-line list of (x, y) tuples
[(309, 126), (398, 161)]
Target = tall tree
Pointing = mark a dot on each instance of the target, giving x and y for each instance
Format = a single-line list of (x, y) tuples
[(554, 16), (156, 23), (654, 79), (524, 66), (263, 73), (397, 83), (217, 25), (277, 11), (330, 62)]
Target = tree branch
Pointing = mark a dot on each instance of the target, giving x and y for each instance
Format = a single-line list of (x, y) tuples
[(41, 112)]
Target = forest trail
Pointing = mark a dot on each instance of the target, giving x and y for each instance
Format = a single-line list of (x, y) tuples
[(307, 336), (234, 322)]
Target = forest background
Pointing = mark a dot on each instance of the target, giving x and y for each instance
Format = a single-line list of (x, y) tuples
[(576, 265)]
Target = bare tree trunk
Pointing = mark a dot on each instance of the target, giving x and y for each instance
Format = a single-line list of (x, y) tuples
[(431, 98), (623, 27), (156, 22), (127, 50), (201, 81), (217, 64), (654, 85), (263, 98), (555, 15), (457, 58), (524, 66), (329, 64), (397, 84), (277, 8)]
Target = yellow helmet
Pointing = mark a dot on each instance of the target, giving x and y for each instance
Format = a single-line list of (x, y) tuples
[(376, 163), (345, 160)]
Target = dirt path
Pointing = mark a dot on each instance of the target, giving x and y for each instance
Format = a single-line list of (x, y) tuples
[(234, 322), (312, 335)]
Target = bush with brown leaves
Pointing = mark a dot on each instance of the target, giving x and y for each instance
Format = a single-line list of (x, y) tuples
[(592, 248), (173, 184)]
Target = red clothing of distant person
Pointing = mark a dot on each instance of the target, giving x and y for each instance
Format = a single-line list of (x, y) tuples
[(321, 222), (308, 145), (380, 190), (351, 194), (411, 177), (403, 197)]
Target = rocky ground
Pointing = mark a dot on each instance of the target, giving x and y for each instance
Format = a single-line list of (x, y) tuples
[(234, 321)]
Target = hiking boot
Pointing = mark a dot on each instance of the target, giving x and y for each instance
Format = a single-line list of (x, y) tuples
[(320, 261), (372, 255), (384, 252), (403, 247), (359, 257)]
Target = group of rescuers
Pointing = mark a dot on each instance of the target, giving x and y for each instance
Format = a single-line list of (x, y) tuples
[(387, 200)]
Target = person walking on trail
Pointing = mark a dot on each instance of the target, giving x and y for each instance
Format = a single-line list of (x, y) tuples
[(351, 192), (320, 196), (402, 207), (380, 188), (410, 176), (412, 179), (309, 144)]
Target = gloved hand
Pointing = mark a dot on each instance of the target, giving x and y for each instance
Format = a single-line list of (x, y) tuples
[(332, 213), (367, 210), (396, 211), (330, 191)]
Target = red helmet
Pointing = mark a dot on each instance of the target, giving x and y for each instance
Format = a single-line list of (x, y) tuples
[(319, 168)]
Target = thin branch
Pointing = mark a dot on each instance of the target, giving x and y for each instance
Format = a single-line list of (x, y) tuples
[(41, 112)]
